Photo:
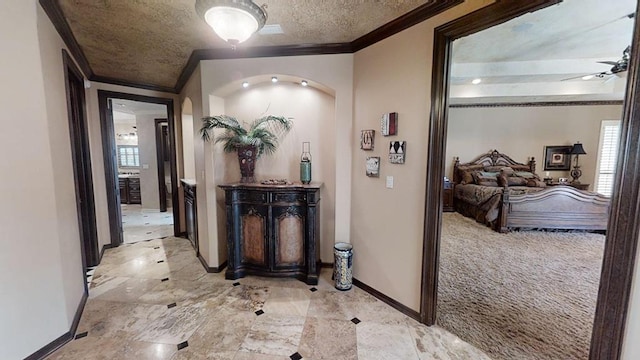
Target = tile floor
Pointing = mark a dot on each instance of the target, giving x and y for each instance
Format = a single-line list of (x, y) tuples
[(144, 224), (153, 300)]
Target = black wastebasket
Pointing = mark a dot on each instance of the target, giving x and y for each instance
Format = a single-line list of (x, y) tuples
[(342, 264)]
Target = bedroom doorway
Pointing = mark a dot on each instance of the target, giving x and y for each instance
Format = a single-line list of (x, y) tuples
[(620, 235)]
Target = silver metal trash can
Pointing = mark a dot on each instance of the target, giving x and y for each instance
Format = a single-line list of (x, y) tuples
[(342, 264)]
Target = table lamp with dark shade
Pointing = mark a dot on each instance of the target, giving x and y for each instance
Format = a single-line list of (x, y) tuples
[(577, 150)]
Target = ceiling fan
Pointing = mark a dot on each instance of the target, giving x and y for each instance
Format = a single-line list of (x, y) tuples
[(616, 67)]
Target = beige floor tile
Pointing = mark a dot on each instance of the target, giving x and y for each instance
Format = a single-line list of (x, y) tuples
[(130, 315)]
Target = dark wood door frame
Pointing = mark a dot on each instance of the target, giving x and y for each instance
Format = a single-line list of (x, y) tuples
[(81, 158), (160, 156), (624, 224), (110, 160)]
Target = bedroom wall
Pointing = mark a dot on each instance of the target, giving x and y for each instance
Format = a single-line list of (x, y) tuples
[(522, 132), (387, 224)]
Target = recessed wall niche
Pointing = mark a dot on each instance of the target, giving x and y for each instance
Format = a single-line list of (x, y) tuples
[(313, 114)]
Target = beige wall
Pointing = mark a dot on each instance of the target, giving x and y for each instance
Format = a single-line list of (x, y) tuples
[(40, 261), (523, 132), (331, 71), (313, 114), (148, 160), (387, 224), (206, 210)]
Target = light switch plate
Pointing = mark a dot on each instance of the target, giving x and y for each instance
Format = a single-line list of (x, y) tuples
[(145, 166), (389, 182)]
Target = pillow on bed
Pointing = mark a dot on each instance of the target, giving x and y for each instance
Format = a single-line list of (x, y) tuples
[(466, 177), (516, 181), (536, 183), (465, 173), (526, 175), (507, 171), (495, 168), (485, 178)]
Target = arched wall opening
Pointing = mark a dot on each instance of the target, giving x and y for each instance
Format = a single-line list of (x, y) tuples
[(332, 74), (312, 109), (188, 153)]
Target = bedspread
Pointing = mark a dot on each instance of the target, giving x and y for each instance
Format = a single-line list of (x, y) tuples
[(483, 202)]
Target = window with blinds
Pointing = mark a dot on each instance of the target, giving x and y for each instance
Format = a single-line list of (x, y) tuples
[(607, 156), (128, 156)]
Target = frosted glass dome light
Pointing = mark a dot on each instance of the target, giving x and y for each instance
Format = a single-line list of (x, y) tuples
[(232, 20)]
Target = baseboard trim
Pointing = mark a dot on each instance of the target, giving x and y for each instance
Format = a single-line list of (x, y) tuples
[(211, 269), (105, 247), (64, 338), (326, 265), (389, 301)]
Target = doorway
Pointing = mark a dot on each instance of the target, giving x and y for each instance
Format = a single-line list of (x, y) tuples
[(81, 157), (623, 228), (140, 168), (163, 157)]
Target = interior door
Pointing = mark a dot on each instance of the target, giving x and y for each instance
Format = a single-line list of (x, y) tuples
[(81, 157)]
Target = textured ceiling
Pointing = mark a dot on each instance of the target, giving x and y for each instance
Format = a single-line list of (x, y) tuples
[(545, 54), (150, 41)]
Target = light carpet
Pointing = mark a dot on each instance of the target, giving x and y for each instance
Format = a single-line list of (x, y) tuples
[(521, 295)]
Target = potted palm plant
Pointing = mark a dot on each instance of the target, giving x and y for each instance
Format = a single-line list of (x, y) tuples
[(260, 138)]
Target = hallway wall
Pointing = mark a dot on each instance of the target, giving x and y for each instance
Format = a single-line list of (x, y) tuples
[(40, 262)]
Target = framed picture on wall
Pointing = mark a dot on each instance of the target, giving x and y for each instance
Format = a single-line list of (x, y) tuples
[(557, 157), (366, 139), (397, 151), (373, 166)]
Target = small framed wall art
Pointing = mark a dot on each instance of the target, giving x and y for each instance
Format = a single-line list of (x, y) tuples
[(366, 139), (397, 151), (373, 166), (389, 124), (557, 157)]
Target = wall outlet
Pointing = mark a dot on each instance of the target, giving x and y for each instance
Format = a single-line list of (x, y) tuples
[(389, 182)]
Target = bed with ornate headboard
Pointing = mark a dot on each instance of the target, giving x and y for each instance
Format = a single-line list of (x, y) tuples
[(504, 194)]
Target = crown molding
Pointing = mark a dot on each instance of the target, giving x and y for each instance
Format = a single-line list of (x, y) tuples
[(138, 85), (421, 13), (538, 104), (54, 12), (418, 15)]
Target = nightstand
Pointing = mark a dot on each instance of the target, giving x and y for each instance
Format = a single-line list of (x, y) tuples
[(447, 197)]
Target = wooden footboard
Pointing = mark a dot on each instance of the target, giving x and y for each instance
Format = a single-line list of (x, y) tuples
[(558, 207)]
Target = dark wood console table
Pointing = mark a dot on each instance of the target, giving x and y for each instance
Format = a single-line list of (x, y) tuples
[(273, 230)]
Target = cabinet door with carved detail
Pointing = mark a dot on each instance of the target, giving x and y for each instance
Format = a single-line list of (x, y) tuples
[(253, 244), (289, 226)]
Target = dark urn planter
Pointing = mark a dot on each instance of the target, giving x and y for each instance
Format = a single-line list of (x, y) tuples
[(247, 159)]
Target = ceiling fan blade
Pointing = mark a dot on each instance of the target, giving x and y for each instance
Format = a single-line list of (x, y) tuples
[(608, 62)]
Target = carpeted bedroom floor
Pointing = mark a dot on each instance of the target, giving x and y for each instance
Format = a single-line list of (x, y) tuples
[(522, 295)]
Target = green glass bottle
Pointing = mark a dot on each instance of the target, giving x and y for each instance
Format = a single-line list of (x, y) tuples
[(305, 163)]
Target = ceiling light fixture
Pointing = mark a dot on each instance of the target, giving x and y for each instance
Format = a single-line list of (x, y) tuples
[(274, 79), (476, 81), (232, 20), (245, 84), (304, 83)]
